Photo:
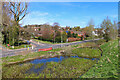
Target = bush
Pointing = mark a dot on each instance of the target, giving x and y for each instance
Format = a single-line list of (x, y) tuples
[(58, 39)]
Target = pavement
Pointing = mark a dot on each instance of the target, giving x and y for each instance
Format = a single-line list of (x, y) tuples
[(7, 52)]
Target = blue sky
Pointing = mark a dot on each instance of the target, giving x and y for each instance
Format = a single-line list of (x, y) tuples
[(70, 13)]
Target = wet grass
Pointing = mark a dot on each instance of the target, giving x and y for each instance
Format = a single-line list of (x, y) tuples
[(15, 71), (73, 69), (38, 65), (68, 68)]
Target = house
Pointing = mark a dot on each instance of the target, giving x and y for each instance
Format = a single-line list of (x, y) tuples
[(95, 32), (34, 29), (80, 34)]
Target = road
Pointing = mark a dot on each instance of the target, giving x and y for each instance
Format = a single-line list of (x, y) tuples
[(37, 45)]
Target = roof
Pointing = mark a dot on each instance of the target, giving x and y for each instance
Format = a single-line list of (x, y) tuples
[(78, 32)]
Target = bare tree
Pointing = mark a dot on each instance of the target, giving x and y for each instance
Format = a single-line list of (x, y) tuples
[(56, 27), (91, 28), (19, 10), (46, 31), (6, 20)]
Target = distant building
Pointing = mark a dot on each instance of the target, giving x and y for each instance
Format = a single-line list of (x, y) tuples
[(95, 32), (34, 29), (80, 34)]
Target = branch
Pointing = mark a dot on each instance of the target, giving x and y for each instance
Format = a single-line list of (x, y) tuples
[(18, 7), (22, 17), (12, 11), (12, 4), (22, 10)]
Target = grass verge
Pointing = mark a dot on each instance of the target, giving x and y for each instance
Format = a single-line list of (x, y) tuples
[(108, 63)]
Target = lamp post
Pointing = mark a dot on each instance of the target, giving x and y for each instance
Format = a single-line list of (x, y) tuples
[(61, 36)]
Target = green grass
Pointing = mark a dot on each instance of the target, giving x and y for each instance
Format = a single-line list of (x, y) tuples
[(48, 42), (108, 63), (43, 41), (21, 46), (87, 52)]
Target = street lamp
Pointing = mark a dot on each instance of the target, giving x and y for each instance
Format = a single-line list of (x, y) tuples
[(61, 36)]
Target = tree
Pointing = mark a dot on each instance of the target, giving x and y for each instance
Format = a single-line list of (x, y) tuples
[(58, 36), (19, 10), (69, 34), (13, 12), (56, 26), (64, 36), (56, 30), (13, 34), (74, 35), (91, 28), (25, 34), (6, 21), (115, 29), (86, 31), (108, 29), (76, 28), (100, 32), (46, 32)]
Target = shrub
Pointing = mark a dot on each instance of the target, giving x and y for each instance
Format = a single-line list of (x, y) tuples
[(58, 39)]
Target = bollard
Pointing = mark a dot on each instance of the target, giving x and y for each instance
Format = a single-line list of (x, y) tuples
[(32, 47), (28, 48)]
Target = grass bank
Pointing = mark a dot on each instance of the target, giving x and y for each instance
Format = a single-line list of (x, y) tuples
[(108, 64)]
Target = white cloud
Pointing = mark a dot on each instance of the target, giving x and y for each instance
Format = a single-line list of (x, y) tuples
[(37, 18), (37, 13)]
